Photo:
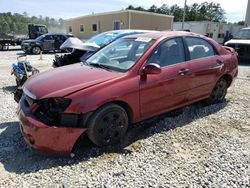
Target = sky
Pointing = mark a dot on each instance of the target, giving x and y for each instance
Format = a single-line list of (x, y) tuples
[(235, 10)]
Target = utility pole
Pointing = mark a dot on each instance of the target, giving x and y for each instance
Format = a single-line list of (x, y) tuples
[(247, 19), (184, 14)]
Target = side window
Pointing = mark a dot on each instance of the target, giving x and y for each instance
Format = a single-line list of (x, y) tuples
[(199, 48), (60, 38), (48, 37), (168, 53)]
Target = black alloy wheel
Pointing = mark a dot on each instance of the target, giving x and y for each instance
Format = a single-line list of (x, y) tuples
[(108, 125)]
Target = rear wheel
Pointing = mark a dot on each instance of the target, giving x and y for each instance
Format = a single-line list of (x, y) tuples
[(36, 50), (1, 47), (108, 125), (219, 92)]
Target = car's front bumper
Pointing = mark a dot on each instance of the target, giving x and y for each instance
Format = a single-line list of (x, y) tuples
[(43, 138), (26, 48)]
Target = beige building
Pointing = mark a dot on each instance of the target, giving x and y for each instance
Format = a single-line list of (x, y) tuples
[(86, 26)]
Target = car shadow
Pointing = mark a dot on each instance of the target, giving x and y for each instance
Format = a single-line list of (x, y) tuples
[(9, 89), (16, 157)]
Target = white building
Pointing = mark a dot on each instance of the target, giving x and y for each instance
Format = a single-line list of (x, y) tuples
[(215, 30)]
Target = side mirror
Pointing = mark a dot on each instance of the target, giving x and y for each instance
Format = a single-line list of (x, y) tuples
[(152, 68)]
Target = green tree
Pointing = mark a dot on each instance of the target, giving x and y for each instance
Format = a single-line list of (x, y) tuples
[(5, 27), (177, 12), (18, 23), (153, 8), (196, 12)]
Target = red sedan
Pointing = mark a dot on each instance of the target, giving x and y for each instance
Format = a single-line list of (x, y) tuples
[(130, 80)]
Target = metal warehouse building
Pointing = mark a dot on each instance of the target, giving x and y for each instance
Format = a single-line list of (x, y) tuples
[(86, 26), (215, 30)]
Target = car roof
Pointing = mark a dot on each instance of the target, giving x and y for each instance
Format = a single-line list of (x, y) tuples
[(58, 34), (165, 34), (121, 31)]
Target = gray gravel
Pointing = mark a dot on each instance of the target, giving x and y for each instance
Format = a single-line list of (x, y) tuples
[(202, 147)]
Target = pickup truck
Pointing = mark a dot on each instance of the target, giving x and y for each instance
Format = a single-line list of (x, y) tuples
[(241, 44), (34, 31)]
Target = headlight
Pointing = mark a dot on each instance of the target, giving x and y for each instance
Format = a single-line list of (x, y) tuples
[(49, 110), (55, 105)]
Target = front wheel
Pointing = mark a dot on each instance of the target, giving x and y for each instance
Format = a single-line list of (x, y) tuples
[(36, 50), (108, 125), (219, 92)]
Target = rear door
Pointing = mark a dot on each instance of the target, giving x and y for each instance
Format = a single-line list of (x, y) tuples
[(167, 90), (48, 43), (59, 40), (204, 65)]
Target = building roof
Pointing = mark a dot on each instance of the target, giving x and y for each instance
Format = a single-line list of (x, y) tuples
[(118, 12)]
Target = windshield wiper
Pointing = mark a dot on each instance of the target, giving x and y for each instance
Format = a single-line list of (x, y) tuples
[(99, 65)]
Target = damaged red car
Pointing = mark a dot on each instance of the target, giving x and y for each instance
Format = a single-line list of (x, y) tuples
[(130, 80)]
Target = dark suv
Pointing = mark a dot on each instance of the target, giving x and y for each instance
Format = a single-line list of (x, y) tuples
[(47, 42)]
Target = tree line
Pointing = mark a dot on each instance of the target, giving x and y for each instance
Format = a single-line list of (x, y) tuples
[(18, 23), (195, 12)]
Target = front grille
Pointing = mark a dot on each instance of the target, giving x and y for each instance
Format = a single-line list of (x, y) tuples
[(243, 50)]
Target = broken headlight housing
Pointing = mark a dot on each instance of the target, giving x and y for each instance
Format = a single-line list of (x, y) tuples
[(49, 110)]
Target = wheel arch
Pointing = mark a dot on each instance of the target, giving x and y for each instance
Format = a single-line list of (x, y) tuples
[(127, 108), (122, 104)]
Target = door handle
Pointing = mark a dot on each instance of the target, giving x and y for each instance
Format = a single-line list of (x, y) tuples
[(183, 71)]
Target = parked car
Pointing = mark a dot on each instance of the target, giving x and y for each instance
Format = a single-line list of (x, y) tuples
[(83, 50), (128, 81), (46, 42), (241, 44)]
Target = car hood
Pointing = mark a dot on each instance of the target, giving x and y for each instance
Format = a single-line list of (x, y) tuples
[(76, 43), (65, 80), (238, 41)]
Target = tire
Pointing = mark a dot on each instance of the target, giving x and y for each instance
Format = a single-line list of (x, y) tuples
[(108, 125), (1, 47), (36, 50), (219, 92)]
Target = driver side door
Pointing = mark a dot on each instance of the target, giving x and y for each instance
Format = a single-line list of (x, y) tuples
[(168, 90)]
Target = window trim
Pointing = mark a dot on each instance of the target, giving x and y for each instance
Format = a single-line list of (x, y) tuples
[(96, 27), (82, 27)]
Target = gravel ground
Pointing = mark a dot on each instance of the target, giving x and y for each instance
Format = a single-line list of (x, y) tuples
[(202, 147)]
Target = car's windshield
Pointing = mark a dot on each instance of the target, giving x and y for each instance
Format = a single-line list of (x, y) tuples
[(40, 37), (103, 38), (122, 54), (243, 34)]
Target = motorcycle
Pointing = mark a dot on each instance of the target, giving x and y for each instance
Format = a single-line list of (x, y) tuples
[(22, 71)]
